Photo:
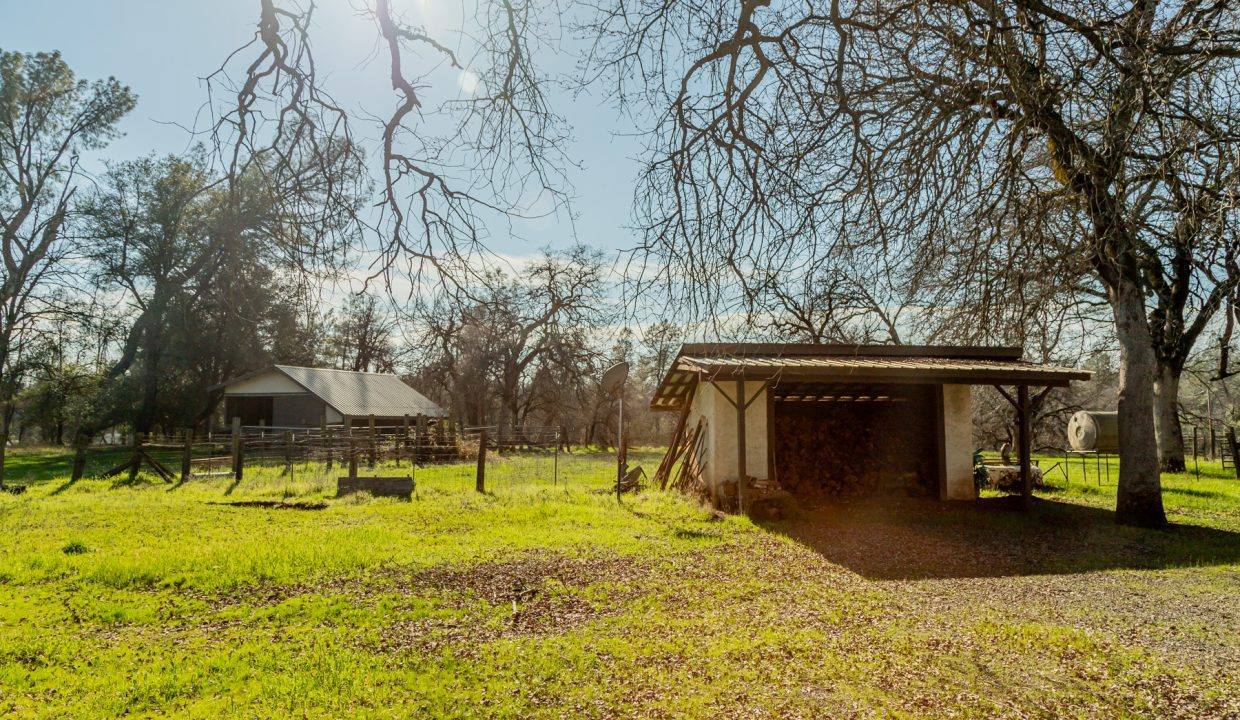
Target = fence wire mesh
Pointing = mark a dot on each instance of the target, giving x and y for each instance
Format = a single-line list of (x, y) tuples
[(436, 458)]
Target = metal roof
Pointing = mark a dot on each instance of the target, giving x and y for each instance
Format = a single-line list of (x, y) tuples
[(851, 363), (358, 394)]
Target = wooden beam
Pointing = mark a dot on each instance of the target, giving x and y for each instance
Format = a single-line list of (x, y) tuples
[(1009, 398), (741, 491), (770, 445), (920, 376), (1026, 475), (940, 441)]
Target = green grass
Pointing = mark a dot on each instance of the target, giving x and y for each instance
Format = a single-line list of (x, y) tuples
[(542, 599)]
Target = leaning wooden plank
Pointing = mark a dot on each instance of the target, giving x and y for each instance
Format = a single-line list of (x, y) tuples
[(691, 468), (688, 469), (160, 468), (674, 448), (119, 468)]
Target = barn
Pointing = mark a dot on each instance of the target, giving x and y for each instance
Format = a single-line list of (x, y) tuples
[(827, 420), (287, 396)]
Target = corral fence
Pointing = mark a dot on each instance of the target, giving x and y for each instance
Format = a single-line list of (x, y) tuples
[(484, 457)]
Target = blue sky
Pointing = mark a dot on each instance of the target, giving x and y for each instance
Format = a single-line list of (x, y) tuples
[(162, 49)]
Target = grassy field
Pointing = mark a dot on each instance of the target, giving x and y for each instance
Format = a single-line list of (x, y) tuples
[(270, 598)]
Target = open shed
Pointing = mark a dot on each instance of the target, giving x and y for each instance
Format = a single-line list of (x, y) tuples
[(816, 419), (301, 397)]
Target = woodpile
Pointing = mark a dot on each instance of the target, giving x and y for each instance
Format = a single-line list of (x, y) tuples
[(832, 450)]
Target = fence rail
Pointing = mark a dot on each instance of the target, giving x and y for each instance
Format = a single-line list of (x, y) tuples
[(484, 454)]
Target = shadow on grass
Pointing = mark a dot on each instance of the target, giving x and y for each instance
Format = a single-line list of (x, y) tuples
[(900, 538), (1192, 492), (36, 467)]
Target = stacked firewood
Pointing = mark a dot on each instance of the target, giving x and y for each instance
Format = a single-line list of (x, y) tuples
[(851, 448)]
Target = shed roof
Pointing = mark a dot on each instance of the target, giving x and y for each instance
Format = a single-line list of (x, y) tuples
[(356, 394), (791, 362)]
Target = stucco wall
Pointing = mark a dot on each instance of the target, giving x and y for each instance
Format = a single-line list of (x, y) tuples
[(711, 403), (724, 427), (702, 410), (958, 442)]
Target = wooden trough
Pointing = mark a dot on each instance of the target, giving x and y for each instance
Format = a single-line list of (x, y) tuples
[(401, 487)]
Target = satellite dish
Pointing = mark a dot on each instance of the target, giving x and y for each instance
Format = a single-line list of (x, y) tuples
[(614, 377)]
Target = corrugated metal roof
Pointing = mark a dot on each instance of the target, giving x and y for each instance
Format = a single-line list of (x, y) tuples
[(361, 394), (863, 363), (852, 363)]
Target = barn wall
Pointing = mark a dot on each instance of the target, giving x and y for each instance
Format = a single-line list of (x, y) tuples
[(272, 382), (958, 442)]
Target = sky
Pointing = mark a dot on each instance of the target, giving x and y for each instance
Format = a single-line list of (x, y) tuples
[(163, 48)]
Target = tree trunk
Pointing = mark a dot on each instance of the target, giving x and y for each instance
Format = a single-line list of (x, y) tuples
[(4, 443), (80, 443), (1139, 497), (1167, 419)]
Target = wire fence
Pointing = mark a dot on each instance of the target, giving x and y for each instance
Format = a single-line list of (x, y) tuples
[(484, 458)]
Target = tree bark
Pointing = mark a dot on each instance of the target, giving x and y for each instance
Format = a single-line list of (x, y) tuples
[(4, 442), (1139, 496), (1167, 419), (79, 458)]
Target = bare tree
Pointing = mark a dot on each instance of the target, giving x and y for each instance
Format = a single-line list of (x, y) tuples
[(839, 300), (445, 167), (927, 126), (518, 338), (362, 338)]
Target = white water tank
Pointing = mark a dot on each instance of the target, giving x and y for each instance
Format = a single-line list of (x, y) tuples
[(1094, 430)]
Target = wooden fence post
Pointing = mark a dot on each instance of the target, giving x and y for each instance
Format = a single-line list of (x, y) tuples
[(404, 441), (480, 481), (136, 465), (237, 448), (288, 451), (352, 457), (187, 454), (370, 457)]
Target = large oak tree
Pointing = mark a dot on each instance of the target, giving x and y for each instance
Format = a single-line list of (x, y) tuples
[(925, 127)]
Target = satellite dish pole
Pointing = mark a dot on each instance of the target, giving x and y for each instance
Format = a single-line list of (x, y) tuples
[(612, 384)]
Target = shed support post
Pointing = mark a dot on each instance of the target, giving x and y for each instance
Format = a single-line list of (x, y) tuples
[(742, 473), (1026, 474)]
